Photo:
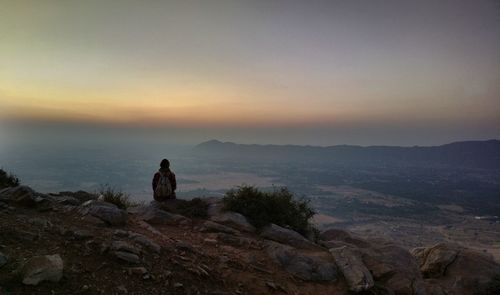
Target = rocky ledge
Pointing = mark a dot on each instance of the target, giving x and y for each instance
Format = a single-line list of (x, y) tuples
[(70, 243)]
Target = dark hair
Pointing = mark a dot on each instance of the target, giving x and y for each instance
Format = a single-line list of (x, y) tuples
[(165, 163)]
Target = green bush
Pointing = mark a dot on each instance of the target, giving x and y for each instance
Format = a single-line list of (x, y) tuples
[(8, 179), (114, 196), (279, 207)]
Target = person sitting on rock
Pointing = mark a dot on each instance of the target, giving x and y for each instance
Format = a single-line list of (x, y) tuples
[(164, 183)]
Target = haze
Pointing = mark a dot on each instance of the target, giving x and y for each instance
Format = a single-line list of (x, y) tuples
[(302, 72)]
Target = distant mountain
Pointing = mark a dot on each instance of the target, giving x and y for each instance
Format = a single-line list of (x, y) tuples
[(466, 154)]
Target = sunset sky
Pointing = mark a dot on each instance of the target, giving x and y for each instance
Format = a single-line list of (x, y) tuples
[(277, 71)]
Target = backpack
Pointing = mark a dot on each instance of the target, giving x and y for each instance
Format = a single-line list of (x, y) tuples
[(164, 188)]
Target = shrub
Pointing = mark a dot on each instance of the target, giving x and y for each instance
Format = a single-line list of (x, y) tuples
[(114, 196), (279, 207), (8, 179)]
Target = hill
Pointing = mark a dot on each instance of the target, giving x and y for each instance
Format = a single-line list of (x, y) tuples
[(465, 154)]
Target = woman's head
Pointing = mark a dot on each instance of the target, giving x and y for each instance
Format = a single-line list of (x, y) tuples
[(165, 164)]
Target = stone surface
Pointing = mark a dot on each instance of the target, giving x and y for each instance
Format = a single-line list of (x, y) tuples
[(351, 265), (210, 226), (154, 215), (286, 236), (469, 272), (145, 242), (20, 195), (318, 266), (234, 220), (125, 247), (435, 260), (107, 212), (3, 259), (127, 257), (42, 268)]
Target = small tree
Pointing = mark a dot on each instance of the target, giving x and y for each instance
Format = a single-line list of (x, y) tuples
[(8, 179), (262, 208)]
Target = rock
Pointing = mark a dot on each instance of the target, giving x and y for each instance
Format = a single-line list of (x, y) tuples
[(3, 259), (107, 212), (143, 241), (183, 246), (214, 206), (67, 200), (41, 222), (356, 274), (238, 241), (393, 267), (286, 236), (434, 260), (128, 257), (210, 226), (137, 270), (93, 220), (153, 215), (82, 234), (469, 272), (42, 268), (120, 233), (124, 246), (234, 220), (335, 238), (318, 266), (21, 195), (210, 241)]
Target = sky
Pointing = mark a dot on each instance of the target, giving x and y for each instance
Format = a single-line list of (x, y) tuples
[(390, 72)]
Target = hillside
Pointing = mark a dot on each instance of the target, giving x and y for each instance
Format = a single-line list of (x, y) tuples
[(71, 243), (466, 154)]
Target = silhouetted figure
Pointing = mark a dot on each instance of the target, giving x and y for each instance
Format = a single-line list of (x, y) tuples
[(164, 183)]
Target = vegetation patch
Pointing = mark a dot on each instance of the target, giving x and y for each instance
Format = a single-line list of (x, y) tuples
[(8, 179), (280, 207), (114, 196)]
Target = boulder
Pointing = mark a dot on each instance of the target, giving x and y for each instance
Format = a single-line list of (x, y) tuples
[(124, 247), (286, 236), (145, 242), (456, 270), (127, 257), (434, 261), (316, 266), (20, 195), (351, 265), (234, 220), (107, 212), (393, 267), (42, 268), (154, 215)]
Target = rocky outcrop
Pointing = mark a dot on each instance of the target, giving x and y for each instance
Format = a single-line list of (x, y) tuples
[(106, 212), (286, 236), (19, 195), (351, 265), (42, 268), (155, 215), (454, 270), (234, 220), (390, 267), (317, 266)]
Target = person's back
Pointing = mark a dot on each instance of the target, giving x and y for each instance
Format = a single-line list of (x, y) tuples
[(164, 183)]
